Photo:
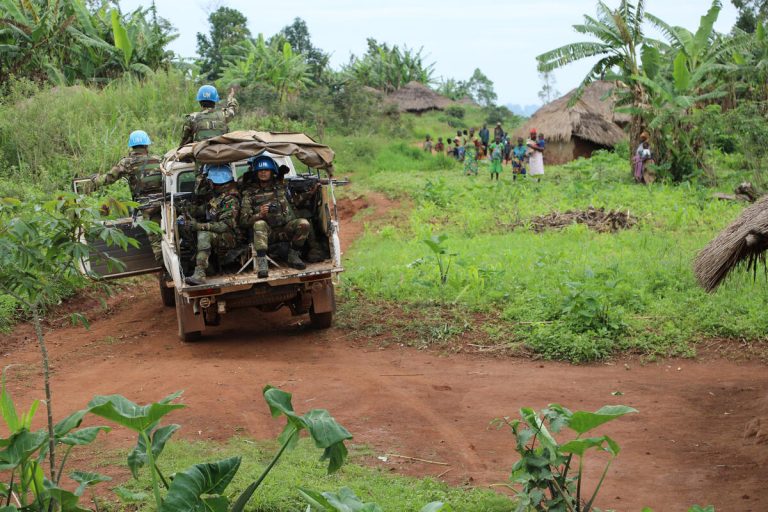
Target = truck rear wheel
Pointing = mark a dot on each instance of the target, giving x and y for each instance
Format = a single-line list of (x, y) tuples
[(320, 320), (167, 294)]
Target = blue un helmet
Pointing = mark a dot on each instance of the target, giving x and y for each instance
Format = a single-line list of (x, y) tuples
[(263, 163), (207, 93), (138, 138), (219, 174)]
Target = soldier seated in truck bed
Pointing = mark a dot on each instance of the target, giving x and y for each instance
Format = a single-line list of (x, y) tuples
[(268, 214)]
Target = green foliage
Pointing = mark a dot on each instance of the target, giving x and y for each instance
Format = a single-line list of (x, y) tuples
[(388, 68), (228, 28), (545, 478), (346, 501), (64, 42)]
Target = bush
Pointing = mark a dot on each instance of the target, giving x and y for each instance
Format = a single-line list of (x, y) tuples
[(455, 111)]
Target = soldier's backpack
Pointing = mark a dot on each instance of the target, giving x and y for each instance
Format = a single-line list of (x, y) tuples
[(207, 124), (150, 177)]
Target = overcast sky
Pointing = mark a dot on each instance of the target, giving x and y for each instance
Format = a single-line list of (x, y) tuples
[(502, 38)]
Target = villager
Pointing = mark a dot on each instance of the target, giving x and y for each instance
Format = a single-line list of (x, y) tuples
[(211, 121), (535, 157), (496, 149), (519, 153), (642, 160), (439, 147), (485, 138), (267, 211), (470, 159), (219, 231), (142, 171), (428, 145), (498, 132), (507, 149), (459, 151), (450, 151)]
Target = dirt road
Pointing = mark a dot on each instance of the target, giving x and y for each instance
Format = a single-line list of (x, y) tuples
[(686, 446)]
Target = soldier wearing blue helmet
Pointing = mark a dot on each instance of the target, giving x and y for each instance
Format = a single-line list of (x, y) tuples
[(211, 121), (219, 231), (142, 171), (267, 210)]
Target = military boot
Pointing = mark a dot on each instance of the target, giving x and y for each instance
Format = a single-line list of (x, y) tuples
[(262, 266), (294, 260), (197, 278)]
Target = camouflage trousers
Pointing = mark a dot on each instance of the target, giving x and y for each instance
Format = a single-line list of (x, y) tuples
[(155, 238), (208, 241), (295, 231)]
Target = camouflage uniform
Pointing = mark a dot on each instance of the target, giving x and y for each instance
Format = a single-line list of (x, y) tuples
[(220, 231), (142, 171), (279, 225), (306, 208), (208, 123)]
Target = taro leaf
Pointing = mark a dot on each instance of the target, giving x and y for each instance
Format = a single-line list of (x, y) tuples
[(579, 446), (21, 446), (279, 402), (83, 436), (316, 500), (138, 418), (542, 434), (129, 496), (65, 499), (9, 508), (86, 479), (138, 456), (583, 421), (343, 501), (328, 434), (72, 421), (436, 506), (216, 504), (187, 487)]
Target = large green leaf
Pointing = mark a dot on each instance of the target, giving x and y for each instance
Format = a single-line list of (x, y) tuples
[(86, 479), (7, 408), (138, 418), (188, 486), (706, 28), (583, 421), (279, 403), (121, 37), (68, 501), (651, 59), (67, 424), (83, 436), (328, 434), (22, 445), (343, 501), (138, 456)]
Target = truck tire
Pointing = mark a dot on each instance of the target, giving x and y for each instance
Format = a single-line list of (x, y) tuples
[(167, 294), (320, 320)]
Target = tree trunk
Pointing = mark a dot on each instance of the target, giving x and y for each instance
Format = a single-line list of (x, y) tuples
[(37, 322)]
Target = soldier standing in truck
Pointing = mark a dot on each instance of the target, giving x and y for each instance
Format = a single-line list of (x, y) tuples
[(211, 121), (142, 171)]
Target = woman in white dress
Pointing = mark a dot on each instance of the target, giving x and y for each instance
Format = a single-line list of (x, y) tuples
[(535, 157)]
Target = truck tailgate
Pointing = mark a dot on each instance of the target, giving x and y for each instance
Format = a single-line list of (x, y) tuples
[(277, 276)]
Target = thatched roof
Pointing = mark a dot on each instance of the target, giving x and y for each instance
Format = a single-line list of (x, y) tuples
[(590, 118), (417, 97), (744, 241)]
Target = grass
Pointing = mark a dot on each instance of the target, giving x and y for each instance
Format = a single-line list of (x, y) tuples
[(301, 468), (572, 294)]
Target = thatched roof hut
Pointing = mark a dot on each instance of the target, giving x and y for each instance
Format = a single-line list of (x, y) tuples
[(588, 125), (417, 97), (743, 242)]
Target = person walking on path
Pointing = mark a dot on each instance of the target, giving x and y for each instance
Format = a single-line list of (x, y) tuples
[(535, 157), (496, 149)]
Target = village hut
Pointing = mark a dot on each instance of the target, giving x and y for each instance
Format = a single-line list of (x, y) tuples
[(417, 98), (743, 242), (578, 130)]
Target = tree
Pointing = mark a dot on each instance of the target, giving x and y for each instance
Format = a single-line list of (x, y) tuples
[(548, 91), (389, 68), (480, 87), (750, 13), (297, 35), (228, 28), (617, 42)]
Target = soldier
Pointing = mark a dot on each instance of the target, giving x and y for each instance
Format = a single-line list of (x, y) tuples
[(142, 171), (268, 212), (220, 230), (210, 121)]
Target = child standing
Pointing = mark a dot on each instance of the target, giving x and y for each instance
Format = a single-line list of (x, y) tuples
[(428, 145), (518, 158), (496, 150), (439, 147)]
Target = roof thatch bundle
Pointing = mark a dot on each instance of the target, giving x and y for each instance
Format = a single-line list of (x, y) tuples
[(591, 118), (744, 241), (417, 97)]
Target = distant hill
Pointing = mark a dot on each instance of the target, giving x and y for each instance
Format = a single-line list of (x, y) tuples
[(523, 110)]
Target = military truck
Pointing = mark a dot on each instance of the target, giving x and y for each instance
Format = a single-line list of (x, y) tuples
[(235, 283)]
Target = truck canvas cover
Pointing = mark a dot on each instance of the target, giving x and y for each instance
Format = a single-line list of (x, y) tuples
[(240, 145)]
